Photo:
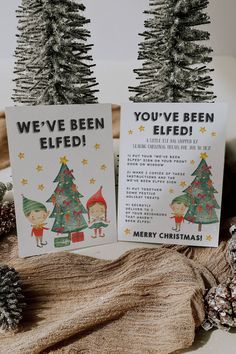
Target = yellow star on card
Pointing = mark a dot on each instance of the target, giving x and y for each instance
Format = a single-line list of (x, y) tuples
[(209, 238), (213, 134), (141, 128), (24, 182), (21, 155), (183, 184), (92, 181), (64, 160), (39, 168), (127, 232), (103, 167), (41, 187), (130, 132), (202, 130), (203, 156), (192, 162), (84, 162), (97, 146), (171, 190)]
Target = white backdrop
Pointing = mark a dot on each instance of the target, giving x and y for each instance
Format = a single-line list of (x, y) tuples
[(115, 25)]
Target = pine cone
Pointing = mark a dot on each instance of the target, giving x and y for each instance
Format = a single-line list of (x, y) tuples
[(4, 187), (7, 217), (11, 299), (220, 305)]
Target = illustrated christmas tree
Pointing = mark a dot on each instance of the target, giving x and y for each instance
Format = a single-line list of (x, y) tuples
[(56, 68), (68, 210), (202, 202), (174, 63)]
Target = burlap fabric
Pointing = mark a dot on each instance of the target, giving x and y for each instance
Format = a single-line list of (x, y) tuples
[(147, 301)]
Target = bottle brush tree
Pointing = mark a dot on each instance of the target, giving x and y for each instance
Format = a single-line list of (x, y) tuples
[(174, 58), (56, 67)]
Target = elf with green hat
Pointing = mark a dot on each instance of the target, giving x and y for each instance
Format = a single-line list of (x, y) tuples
[(178, 206), (36, 213)]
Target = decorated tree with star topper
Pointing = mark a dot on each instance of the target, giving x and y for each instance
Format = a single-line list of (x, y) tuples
[(202, 202), (53, 60), (174, 58), (68, 210)]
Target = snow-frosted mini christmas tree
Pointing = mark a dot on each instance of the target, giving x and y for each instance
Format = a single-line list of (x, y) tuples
[(53, 64), (175, 60)]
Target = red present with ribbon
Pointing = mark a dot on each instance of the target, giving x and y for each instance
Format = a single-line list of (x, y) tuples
[(77, 237)]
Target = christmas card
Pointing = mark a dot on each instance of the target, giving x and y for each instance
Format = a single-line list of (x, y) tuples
[(63, 176), (171, 175)]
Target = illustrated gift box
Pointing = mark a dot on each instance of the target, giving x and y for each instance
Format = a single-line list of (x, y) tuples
[(77, 237)]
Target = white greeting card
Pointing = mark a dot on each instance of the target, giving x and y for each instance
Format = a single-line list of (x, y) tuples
[(63, 176), (171, 173)]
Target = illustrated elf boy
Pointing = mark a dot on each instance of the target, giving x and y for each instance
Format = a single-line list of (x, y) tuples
[(97, 213), (36, 213), (178, 206)]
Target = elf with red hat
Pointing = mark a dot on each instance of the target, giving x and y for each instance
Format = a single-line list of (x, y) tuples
[(97, 213)]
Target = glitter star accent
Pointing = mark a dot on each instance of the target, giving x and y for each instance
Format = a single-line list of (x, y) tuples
[(84, 162), (209, 238), (103, 167), (183, 184), (41, 187), (21, 155), (171, 190), (97, 146), (130, 132), (39, 168), (192, 162), (202, 130), (141, 128), (213, 134), (127, 232), (64, 160), (203, 156), (24, 182), (92, 181)]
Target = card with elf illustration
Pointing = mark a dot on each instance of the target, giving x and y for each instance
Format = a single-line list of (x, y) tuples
[(171, 175), (63, 176)]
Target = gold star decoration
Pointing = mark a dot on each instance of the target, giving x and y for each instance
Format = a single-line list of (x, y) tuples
[(130, 132), (84, 162), (97, 146), (182, 184), (92, 181), (21, 155), (41, 187), (203, 156), (209, 238), (141, 128), (103, 167), (213, 134), (127, 232), (64, 160), (192, 162), (202, 130), (39, 168), (24, 181), (171, 190)]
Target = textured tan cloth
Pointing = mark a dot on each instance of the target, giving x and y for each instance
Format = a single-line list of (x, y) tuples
[(147, 301), (4, 155)]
